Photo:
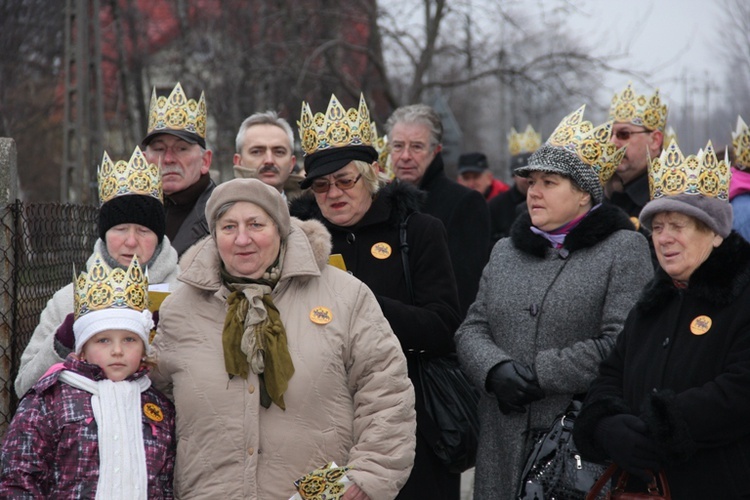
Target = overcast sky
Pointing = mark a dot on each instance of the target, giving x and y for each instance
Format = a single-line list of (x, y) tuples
[(673, 41)]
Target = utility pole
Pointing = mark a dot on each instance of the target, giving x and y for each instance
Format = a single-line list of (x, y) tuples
[(83, 118)]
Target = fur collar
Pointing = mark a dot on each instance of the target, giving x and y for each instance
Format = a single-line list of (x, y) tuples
[(719, 280), (595, 227), (394, 201)]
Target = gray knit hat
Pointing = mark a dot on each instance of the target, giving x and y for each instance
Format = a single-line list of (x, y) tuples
[(713, 212), (254, 191), (558, 160)]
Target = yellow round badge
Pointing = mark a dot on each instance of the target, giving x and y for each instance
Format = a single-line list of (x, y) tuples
[(153, 412), (321, 315), (700, 325), (381, 250)]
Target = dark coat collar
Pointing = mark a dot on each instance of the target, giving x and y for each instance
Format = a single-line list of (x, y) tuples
[(719, 280), (392, 203), (595, 227), (434, 170)]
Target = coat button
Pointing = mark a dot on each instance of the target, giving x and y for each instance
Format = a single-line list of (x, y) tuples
[(251, 388), (665, 343), (250, 450)]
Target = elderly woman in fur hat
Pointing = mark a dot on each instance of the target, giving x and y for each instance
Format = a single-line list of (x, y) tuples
[(278, 362), (552, 299), (675, 391)]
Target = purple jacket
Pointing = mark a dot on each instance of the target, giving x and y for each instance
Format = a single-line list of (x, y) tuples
[(51, 448)]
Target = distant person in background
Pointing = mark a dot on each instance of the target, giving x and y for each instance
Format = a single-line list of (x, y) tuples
[(508, 205), (739, 189), (265, 150), (415, 133), (176, 142), (639, 124), (475, 173)]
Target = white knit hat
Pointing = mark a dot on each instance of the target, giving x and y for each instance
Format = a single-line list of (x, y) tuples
[(88, 325)]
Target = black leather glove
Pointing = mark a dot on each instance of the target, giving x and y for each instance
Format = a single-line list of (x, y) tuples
[(515, 385), (626, 441)]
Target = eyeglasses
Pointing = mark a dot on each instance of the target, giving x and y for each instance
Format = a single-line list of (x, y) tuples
[(624, 135), (321, 186), (415, 148)]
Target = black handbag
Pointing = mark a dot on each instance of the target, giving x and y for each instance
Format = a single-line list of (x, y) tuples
[(447, 411), (554, 468)]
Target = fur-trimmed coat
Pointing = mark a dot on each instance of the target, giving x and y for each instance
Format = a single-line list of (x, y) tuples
[(557, 310), (349, 400), (682, 363), (428, 324)]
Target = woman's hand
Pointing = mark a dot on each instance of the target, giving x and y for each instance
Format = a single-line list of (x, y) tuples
[(354, 492), (626, 440), (515, 385)]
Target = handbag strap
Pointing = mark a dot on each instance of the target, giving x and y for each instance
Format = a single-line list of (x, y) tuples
[(622, 481), (404, 246)]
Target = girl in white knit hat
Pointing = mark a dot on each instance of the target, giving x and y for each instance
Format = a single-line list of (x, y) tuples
[(93, 427)]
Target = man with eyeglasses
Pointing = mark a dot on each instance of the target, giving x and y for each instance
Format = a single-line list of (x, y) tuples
[(639, 123), (414, 139), (176, 141), (265, 150)]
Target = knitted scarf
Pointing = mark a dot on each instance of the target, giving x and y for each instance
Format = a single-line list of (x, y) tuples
[(122, 455), (255, 337)]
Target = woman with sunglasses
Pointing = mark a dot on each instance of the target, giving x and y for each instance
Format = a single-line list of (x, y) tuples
[(364, 215)]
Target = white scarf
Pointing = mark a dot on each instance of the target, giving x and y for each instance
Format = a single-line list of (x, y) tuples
[(122, 455)]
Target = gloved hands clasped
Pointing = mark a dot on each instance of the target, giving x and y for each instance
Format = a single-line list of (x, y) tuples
[(626, 440), (515, 385)]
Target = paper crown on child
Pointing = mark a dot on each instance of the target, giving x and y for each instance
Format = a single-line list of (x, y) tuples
[(136, 176), (741, 145), (527, 141), (177, 115), (638, 109), (111, 299), (337, 128)]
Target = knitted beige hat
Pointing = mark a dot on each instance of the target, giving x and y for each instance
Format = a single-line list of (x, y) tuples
[(254, 191)]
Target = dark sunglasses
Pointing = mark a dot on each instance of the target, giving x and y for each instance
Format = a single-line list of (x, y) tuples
[(624, 135), (321, 186)]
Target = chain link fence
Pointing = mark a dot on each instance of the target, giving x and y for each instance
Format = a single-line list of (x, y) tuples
[(46, 242)]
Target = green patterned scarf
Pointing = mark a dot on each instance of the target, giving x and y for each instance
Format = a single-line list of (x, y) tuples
[(254, 337)]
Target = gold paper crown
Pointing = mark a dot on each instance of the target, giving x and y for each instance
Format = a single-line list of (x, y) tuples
[(380, 143), (741, 145), (641, 110), (106, 288), (177, 112), (591, 144), (527, 141), (702, 174), (336, 128), (669, 136), (136, 176)]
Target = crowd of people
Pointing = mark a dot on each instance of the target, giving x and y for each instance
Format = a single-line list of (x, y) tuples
[(301, 297)]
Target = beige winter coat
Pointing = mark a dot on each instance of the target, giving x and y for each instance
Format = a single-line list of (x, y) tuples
[(349, 401)]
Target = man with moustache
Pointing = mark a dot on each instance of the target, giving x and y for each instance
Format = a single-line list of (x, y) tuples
[(265, 150), (176, 141), (414, 138)]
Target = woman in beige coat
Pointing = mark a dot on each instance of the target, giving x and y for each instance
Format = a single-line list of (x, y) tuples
[(279, 363)]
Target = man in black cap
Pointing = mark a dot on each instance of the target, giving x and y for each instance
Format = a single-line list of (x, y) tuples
[(474, 173), (176, 141)]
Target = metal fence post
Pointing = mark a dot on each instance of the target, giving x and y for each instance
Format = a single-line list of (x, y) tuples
[(8, 195)]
